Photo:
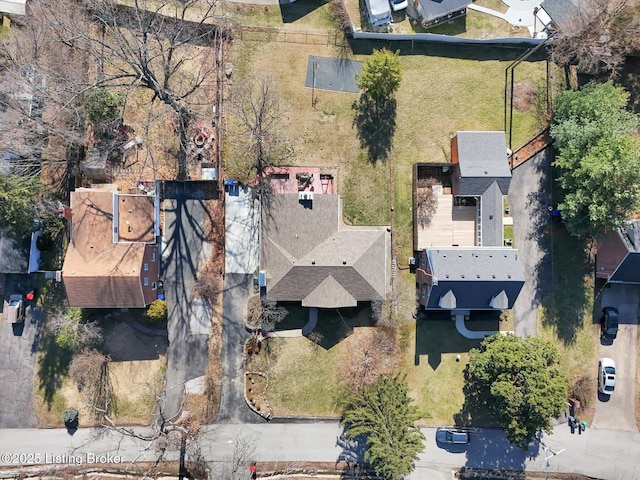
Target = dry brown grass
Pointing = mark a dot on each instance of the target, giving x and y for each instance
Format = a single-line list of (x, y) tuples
[(135, 386)]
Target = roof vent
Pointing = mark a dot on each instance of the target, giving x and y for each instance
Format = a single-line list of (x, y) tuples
[(508, 276), (344, 261), (493, 276), (477, 275), (91, 245), (313, 262), (462, 275)]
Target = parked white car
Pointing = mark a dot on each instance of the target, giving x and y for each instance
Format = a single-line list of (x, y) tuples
[(606, 376)]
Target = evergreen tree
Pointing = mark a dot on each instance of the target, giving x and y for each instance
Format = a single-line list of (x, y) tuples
[(381, 75), (383, 413)]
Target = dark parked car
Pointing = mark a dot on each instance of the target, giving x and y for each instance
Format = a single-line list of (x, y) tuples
[(448, 435), (609, 323)]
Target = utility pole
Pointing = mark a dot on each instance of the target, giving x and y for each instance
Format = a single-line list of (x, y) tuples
[(313, 86)]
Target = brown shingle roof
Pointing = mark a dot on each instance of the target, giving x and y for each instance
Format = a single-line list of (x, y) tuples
[(98, 272), (310, 256)]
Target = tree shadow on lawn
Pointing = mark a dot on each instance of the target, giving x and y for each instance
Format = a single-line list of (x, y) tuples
[(569, 297), (292, 12), (53, 366), (375, 121)]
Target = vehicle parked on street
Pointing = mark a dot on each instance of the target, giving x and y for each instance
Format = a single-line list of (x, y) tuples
[(606, 376), (15, 309), (609, 323), (450, 435)]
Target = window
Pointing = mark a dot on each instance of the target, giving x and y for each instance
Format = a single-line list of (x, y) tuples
[(154, 286), (153, 256), (146, 267), (146, 281)]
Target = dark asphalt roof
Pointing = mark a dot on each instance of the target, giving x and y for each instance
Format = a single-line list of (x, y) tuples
[(435, 9)]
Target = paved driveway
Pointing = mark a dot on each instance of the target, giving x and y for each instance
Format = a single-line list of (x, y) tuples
[(18, 348), (242, 248), (617, 412), (529, 199), (184, 250)]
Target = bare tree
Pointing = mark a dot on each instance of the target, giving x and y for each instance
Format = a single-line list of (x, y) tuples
[(371, 354), (426, 201), (272, 314), (72, 331), (593, 38), (256, 140), (41, 111), (161, 46), (264, 313), (90, 370)]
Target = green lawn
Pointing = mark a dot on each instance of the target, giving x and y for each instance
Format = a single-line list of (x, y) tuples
[(302, 379), (566, 315)]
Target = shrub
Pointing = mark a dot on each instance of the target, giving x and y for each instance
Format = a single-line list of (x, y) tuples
[(66, 338), (582, 390), (156, 313), (70, 417), (102, 106)]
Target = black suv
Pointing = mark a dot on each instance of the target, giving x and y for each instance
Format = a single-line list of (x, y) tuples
[(609, 323)]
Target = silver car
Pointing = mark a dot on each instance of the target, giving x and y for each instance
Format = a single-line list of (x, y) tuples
[(606, 375)]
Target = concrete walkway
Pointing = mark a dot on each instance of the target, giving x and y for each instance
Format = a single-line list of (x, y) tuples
[(519, 13), (471, 334)]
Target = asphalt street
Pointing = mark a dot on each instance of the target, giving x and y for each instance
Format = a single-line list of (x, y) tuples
[(184, 250), (529, 200), (598, 453)]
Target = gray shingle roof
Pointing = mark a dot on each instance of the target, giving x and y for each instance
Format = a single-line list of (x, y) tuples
[(492, 228), (560, 10), (483, 154), (478, 278), (312, 257), (474, 263)]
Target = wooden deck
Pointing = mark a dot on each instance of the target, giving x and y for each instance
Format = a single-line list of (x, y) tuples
[(450, 225)]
